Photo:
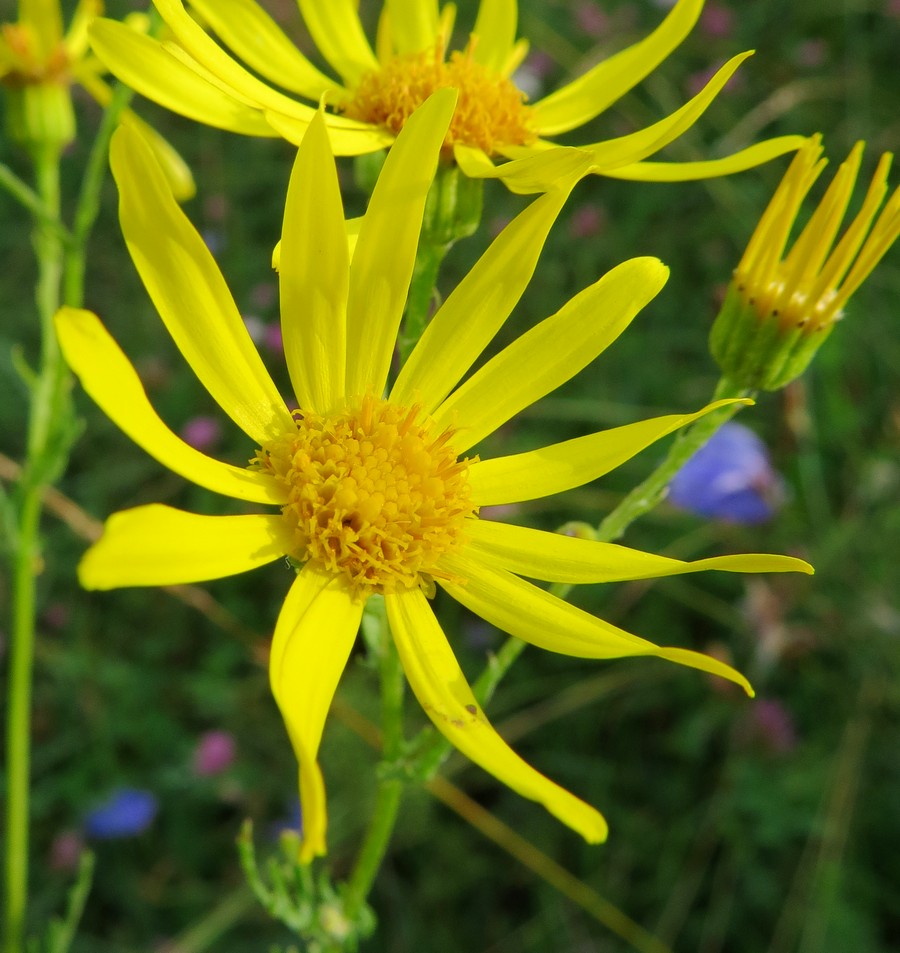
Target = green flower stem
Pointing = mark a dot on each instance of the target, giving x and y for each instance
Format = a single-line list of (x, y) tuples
[(61, 932), (30, 199), (452, 211), (422, 291), (89, 197), (26, 556), (649, 494), (390, 788), (61, 263)]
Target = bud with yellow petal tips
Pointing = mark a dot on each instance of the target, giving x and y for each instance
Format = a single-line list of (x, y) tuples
[(780, 307), (34, 69)]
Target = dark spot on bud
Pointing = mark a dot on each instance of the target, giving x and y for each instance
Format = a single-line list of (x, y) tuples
[(471, 709)]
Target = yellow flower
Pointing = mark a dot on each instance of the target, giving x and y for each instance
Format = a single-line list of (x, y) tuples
[(782, 306), (38, 64), (35, 50), (376, 494), (378, 91)]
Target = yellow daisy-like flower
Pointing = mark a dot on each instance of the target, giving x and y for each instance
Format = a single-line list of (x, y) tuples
[(380, 89), (39, 61), (782, 306), (376, 494)]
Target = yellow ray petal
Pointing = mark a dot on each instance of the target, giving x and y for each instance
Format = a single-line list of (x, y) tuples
[(550, 353), (76, 38), (314, 635), (749, 158), (190, 293), (531, 614), (160, 546), (148, 67), (45, 19), (579, 101), (441, 688), (198, 44), (553, 557), (495, 28), (313, 276), (415, 24), (638, 145), (345, 140), (477, 307), (338, 33), (386, 248), (109, 378), (539, 172), (562, 466), (257, 39)]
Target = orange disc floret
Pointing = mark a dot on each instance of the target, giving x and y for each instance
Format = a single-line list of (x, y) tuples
[(491, 111), (373, 494), (25, 65)]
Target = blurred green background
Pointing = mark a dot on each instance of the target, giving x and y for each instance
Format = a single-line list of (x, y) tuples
[(742, 826)]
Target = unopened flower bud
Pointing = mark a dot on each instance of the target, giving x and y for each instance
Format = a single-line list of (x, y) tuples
[(781, 306)]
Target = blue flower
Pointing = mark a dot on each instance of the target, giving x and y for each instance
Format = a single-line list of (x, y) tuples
[(125, 813), (730, 478)]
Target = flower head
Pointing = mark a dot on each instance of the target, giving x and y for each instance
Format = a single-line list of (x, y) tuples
[(380, 88), (781, 306), (730, 478), (214, 753), (39, 61), (127, 812), (375, 487), (36, 62)]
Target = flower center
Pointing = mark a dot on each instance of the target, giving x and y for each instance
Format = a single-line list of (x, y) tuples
[(373, 494), (23, 61), (490, 113)]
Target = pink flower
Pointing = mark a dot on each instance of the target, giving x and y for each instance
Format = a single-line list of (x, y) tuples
[(272, 338), (771, 726), (202, 433), (65, 851), (214, 753), (717, 21), (590, 19), (586, 221), (814, 52)]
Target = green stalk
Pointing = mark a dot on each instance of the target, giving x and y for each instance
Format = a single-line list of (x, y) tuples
[(61, 261), (45, 400), (421, 296), (89, 198), (649, 494), (390, 789)]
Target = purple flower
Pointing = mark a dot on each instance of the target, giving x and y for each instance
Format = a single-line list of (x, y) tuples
[(770, 726), (214, 753), (66, 850), (125, 813), (717, 21), (202, 433), (586, 221), (591, 19), (729, 479), (272, 338)]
